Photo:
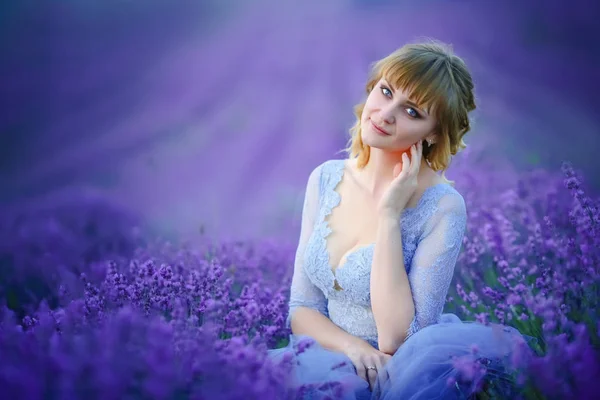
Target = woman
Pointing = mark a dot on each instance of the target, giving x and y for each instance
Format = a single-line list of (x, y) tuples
[(381, 232)]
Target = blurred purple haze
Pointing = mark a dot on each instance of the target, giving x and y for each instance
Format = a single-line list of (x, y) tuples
[(207, 113)]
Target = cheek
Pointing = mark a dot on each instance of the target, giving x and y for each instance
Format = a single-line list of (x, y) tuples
[(368, 110), (365, 114)]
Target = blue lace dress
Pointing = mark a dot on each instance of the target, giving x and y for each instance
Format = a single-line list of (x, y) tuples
[(423, 366)]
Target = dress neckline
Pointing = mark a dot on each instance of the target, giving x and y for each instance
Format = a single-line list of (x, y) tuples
[(337, 178)]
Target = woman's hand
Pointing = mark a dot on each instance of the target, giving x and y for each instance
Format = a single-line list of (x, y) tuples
[(395, 199), (363, 355)]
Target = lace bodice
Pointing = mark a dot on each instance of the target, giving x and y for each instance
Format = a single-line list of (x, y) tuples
[(432, 234)]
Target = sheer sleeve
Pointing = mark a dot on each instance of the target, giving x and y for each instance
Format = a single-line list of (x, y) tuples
[(303, 292), (433, 263)]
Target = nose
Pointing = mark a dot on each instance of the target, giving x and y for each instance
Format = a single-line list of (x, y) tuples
[(387, 114)]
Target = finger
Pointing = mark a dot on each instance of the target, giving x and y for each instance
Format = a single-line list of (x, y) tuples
[(361, 371), (382, 371), (416, 162), (388, 358), (397, 169), (405, 163), (372, 375)]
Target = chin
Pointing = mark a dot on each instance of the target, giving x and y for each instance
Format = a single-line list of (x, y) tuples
[(368, 140), (373, 144)]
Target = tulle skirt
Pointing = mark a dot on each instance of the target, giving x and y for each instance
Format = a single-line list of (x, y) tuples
[(448, 360)]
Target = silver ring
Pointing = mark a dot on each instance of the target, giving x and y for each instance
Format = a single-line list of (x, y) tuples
[(372, 368)]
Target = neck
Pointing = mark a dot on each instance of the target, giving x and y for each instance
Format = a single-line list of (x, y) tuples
[(379, 171)]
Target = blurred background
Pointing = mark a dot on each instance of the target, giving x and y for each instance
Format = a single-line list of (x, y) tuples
[(207, 116)]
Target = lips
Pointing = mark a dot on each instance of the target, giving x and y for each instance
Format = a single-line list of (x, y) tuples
[(379, 129)]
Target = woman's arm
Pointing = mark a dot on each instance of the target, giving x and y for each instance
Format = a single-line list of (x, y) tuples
[(391, 297), (308, 313), (402, 304)]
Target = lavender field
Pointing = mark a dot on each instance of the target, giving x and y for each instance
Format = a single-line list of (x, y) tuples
[(153, 160)]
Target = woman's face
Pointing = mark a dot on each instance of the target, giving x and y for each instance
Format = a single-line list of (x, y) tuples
[(402, 121)]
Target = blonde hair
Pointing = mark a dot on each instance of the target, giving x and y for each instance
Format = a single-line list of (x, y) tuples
[(435, 79)]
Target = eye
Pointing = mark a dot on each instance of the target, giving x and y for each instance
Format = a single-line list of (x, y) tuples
[(416, 114), (385, 90)]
